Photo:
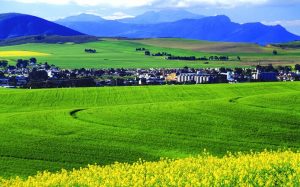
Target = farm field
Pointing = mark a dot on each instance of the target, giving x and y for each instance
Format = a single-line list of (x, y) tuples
[(256, 169), (251, 54), (113, 53), (51, 129), (20, 54)]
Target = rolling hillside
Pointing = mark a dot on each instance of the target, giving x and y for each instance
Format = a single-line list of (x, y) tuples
[(289, 45), (111, 53), (70, 128), (16, 25), (53, 39)]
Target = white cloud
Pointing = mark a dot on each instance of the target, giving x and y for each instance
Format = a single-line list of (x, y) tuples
[(285, 23), (219, 3), (291, 25), (156, 3), (112, 3), (118, 15)]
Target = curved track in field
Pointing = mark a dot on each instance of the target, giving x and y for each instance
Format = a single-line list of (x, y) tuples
[(73, 113)]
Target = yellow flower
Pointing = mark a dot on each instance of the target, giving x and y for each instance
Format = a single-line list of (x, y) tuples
[(268, 168)]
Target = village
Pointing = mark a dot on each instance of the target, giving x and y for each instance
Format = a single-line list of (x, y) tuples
[(30, 74)]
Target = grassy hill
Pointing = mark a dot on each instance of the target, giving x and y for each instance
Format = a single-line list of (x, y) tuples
[(48, 40), (114, 53), (69, 128), (198, 45)]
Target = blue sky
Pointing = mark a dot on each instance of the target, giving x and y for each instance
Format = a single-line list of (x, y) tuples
[(286, 13)]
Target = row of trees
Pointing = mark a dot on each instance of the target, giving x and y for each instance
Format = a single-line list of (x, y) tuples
[(162, 54), (141, 49), (24, 63), (271, 68), (83, 82), (189, 58), (148, 53), (193, 58)]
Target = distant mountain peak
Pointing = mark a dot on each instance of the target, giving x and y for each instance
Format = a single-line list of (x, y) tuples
[(223, 18), (279, 27)]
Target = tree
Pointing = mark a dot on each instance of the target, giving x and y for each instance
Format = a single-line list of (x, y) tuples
[(287, 68), (3, 63), (36, 75), (238, 71), (33, 60), (275, 52), (47, 66), (297, 67), (269, 68), (248, 72), (2, 74), (22, 63), (222, 70), (280, 68)]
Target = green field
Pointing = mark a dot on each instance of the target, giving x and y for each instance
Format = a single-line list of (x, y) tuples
[(114, 53), (52, 129)]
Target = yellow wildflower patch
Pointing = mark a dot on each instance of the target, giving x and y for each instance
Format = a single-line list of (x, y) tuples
[(255, 169), (21, 54)]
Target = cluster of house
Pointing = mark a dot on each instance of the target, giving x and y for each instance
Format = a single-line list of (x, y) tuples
[(44, 76)]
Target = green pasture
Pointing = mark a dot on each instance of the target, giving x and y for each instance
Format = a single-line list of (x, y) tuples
[(114, 53), (52, 129)]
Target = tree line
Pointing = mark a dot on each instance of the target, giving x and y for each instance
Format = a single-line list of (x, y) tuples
[(187, 58)]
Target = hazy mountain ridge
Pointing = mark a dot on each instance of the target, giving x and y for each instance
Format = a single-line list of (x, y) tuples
[(214, 28)]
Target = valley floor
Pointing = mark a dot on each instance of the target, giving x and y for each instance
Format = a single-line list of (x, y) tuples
[(113, 53)]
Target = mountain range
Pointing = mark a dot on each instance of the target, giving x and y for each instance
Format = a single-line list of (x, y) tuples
[(167, 23), (213, 28)]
